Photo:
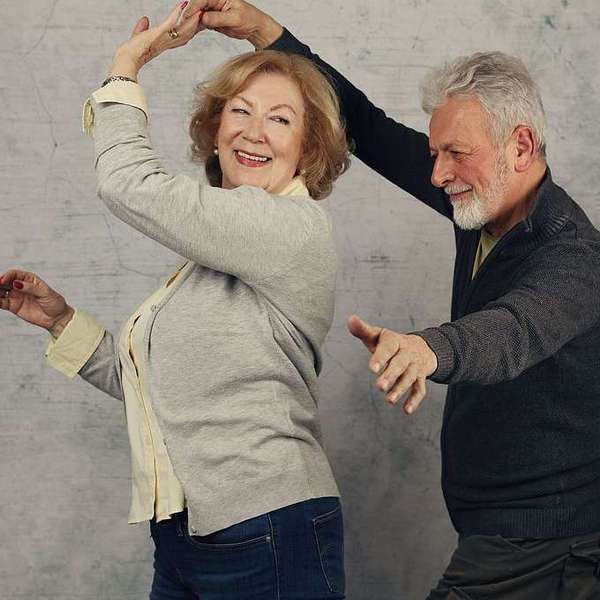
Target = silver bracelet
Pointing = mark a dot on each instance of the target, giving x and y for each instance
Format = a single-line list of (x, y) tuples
[(117, 78)]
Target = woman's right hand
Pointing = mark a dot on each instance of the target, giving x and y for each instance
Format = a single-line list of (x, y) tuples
[(31, 299)]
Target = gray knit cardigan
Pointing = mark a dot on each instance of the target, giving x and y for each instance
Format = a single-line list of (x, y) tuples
[(233, 352)]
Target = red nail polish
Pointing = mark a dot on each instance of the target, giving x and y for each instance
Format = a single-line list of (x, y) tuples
[(17, 285), (184, 4)]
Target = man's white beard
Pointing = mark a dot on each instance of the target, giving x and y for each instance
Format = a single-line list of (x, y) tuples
[(476, 211)]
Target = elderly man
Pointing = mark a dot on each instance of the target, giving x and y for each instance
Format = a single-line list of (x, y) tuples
[(521, 355)]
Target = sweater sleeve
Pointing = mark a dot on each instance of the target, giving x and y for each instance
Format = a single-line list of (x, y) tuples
[(393, 150), (244, 232), (554, 299), (102, 370)]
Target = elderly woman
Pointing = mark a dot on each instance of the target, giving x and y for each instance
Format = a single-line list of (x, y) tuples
[(218, 367)]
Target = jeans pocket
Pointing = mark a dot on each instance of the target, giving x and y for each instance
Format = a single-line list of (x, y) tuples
[(243, 535), (329, 535)]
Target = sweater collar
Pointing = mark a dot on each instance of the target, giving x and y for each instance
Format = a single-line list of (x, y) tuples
[(551, 210)]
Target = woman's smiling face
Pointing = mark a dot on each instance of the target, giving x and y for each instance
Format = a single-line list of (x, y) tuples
[(261, 133)]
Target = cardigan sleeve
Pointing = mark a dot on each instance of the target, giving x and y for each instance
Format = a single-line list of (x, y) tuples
[(393, 150), (245, 232), (553, 300), (122, 92), (103, 368)]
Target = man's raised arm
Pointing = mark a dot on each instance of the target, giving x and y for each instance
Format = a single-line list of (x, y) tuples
[(397, 152)]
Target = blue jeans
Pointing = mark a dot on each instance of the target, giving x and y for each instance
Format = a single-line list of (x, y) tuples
[(294, 553)]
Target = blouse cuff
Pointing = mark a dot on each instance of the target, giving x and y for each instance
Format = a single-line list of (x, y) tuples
[(76, 343), (121, 92)]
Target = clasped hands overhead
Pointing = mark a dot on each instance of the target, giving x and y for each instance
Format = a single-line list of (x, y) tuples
[(233, 18)]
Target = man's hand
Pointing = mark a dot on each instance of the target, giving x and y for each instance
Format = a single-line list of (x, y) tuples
[(240, 20), (402, 362)]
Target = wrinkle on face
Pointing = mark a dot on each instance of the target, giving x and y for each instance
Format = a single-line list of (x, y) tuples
[(264, 120), (466, 158)]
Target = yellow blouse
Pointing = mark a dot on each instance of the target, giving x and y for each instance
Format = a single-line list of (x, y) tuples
[(155, 489)]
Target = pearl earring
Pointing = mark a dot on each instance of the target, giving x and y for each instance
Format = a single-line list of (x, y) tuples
[(216, 152)]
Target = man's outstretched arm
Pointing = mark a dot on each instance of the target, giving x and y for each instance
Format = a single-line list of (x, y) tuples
[(552, 302)]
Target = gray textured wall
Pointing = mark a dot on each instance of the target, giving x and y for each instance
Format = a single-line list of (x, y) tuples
[(64, 474)]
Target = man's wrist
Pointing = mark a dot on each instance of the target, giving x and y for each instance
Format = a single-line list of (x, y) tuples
[(59, 325), (433, 361), (268, 31)]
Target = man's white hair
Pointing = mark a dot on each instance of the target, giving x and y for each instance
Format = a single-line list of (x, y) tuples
[(502, 85)]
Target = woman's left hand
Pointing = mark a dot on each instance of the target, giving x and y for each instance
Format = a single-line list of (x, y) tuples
[(148, 42)]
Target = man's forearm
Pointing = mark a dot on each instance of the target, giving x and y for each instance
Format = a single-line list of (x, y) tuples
[(267, 32)]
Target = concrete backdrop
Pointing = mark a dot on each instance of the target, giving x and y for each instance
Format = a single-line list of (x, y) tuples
[(64, 475)]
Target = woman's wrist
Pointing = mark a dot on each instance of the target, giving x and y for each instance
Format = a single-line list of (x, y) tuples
[(59, 325), (112, 78), (125, 66)]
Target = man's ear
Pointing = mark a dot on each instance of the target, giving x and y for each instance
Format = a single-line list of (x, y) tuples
[(525, 147)]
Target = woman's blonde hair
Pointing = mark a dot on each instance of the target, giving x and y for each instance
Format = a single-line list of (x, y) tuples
[(325, 152)]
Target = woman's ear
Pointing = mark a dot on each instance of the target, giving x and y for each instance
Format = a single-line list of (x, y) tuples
[(300, 170)]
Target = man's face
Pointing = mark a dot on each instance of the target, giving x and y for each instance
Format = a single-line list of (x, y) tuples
[(468, 165)]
